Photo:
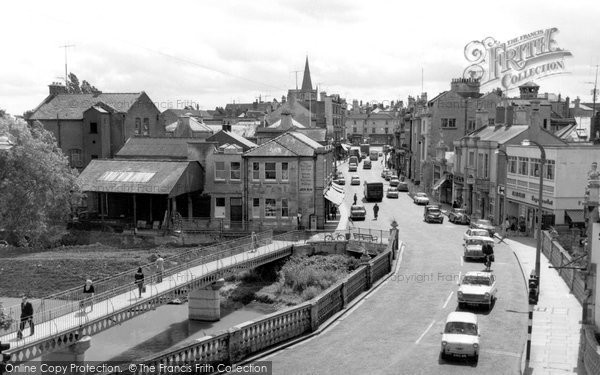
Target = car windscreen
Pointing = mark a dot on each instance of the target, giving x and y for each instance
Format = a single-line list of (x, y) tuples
[(461, 328), (476, 280)]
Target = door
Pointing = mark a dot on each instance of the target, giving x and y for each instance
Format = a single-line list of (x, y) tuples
[(235, 212)]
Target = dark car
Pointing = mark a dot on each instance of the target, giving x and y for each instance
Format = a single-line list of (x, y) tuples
[(433, 213), (402, 186), (458, 216), (484, 224), (358, 212)]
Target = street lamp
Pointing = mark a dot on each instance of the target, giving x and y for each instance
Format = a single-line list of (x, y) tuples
[(538, 250), (503, 218)]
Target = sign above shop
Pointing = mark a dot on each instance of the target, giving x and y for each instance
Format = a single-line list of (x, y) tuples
[(530, 198)]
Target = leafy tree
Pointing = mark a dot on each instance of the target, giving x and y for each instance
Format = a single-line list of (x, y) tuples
[(36, 183), (2, 113), (73, 84), (87, 88)]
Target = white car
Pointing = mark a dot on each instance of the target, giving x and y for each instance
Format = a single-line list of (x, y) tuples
[(355, 180), (477, 288), (392, 192), (461, 336), (473, 247), (421, 198), (471, 233)]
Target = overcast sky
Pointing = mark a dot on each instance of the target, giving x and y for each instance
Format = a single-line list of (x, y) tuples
[(213, 52)]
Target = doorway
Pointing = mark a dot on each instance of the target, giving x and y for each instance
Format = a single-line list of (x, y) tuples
[(235, 212)]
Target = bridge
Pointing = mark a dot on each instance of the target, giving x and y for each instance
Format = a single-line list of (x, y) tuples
[(60, 324)]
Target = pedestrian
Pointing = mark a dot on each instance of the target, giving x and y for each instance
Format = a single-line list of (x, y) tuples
[(506, 227), (254, 242), (355, 199), (334, 212), (88, 292), (26, 317), (139, 280), (299, 221), (376, 210), (160, 268)]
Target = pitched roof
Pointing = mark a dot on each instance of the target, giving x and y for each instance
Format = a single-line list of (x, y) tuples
[(500, 134), (235, 137), (72, 106), (287, 144), (316, 134), (190, 112), (156, 148), (529, 84), (195, 125), (306, 81)]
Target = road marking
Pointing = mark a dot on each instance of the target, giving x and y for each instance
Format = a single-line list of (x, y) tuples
[(424, 333), (458, 281), (447, 300)]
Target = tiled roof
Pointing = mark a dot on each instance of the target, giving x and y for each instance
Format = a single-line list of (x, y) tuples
[(190, 112), (72, 106), (195, 125), (287, 144), (316, 134), (236, 137), (157, 148), (500, 134)]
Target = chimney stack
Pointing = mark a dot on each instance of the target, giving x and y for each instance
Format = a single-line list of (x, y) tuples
[(500, 112), (509, 115), (57, 88)]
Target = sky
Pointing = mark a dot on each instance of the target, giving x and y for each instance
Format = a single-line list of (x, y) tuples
[(212, 53)]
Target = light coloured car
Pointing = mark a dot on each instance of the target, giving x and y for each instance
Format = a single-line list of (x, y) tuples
[(355, 180), (358, 212), (394, 182), (392, 192), (484, 224), (421, 198), (402, 186), (461, 336), (385, 172), (458, 216), (473, 247), (471, 233), (477, 288)]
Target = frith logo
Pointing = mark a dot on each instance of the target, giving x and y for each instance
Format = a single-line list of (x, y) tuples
[(528, 57)]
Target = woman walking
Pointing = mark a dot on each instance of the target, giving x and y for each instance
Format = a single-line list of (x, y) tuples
[(88, 299), (139, 280)]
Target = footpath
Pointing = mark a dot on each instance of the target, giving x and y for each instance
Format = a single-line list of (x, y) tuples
[(556, 318)]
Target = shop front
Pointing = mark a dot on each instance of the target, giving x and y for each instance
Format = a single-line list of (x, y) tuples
[(522, 210)]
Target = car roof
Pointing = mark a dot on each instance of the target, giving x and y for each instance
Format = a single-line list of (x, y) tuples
[(421, 194), (356, 207), (478, 274), (459, 316)]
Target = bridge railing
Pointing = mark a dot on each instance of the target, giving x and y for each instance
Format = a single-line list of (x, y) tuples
[(68, 301), (253, 337)]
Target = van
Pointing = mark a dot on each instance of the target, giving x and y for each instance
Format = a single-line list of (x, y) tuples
[(367, 164)]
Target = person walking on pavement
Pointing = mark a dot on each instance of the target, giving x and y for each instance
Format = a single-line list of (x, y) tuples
[(160, 268), (88, 292), (26, 317), (376, 210), (334, 212), (254, 242), (355, 199), (139, 280)]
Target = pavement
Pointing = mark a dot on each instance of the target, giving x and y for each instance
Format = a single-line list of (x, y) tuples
[(556, 318)]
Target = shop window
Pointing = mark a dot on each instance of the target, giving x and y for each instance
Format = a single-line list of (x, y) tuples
[(256, 171), (219, 207), (285, 173), (270, 208), (256, 208), (284, 208), (220, 173), (270, 172), (235, 171)]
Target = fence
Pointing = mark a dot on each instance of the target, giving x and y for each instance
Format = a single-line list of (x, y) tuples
[(588, 350), (253, 337), (66, 302), (559, 257), (194, 224)]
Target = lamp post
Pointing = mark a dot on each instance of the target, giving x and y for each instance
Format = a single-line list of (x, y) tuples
[(538, 250), (503, 218)]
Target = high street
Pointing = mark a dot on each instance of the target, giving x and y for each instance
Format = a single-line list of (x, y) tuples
[(397, 329)]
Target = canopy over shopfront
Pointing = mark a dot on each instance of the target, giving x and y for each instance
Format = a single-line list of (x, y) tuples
[(335, 194), (171, 178), (440, 182), (576, 216)]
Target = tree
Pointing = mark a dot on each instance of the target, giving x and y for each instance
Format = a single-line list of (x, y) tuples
[(2, 113), (36, 183), (73, 84), (87, 88)]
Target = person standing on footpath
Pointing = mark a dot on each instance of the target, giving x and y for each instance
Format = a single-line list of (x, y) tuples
[(139, 280), (355, 199), (88, 291), (160, 268), (26, 317), (254, 242), (376, 210)]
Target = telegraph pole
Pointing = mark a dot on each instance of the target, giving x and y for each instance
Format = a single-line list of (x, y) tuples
[(296, 71), (594, 101), (66, 46)]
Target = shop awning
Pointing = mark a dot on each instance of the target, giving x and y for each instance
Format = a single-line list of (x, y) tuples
[(170, 178), (440, 182), (345, 147), (334, 194), (576, 216)]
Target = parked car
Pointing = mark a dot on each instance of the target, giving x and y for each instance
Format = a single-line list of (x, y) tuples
[(473, 247), (421, 198), (484, 224), (358, 212), (433, 213), (458, 216), (477, 288), (385, 172), (461, 336), (340, 181), (392, 192), (355, 180), (402, 186), (367, 164), (475, 233), (393, 177), (394, 182)]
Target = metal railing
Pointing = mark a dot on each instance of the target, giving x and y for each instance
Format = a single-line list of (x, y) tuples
[(68, 301), (194, 224)]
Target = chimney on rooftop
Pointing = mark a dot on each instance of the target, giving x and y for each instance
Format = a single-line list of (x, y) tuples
[(509, 115), (500, 113), (57, 88)]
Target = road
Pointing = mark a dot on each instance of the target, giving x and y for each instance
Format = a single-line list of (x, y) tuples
[(397, 329)]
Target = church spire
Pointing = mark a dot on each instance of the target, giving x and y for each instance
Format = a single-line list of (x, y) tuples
[(306, 81)]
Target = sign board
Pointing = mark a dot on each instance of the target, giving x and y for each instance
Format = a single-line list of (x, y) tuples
[(470, 180), (501, 190), (529, 198)]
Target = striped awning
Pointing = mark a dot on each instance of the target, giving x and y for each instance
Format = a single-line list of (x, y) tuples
[(576, 216), (440, 182), (335, 194)]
